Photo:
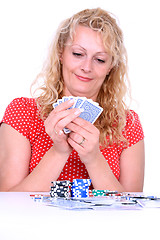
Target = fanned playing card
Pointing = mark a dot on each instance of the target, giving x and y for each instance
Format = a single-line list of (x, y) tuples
[(91, 109)]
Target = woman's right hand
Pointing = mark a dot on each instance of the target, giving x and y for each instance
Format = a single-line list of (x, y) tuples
[(57, 120)]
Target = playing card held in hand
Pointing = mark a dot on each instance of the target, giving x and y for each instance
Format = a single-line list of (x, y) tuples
[(91, 110)]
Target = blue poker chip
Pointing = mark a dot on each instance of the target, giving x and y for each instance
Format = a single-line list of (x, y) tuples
[(80, 193), (80, 188), (83, 188), (86, 182)]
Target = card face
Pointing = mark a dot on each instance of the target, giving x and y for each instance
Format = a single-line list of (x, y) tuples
[(91, 112)]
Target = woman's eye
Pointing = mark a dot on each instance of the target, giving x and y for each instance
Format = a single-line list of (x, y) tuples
[(77, 54), (100, 60)]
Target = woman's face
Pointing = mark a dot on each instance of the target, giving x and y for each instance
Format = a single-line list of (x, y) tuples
[(85, 63)]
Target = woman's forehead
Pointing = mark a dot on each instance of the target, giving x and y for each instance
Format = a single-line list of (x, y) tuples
[(86, 37)]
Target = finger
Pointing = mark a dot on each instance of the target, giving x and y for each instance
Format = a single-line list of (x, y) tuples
[(63, 122), (77, 132), (59, 111), (77, 146), (84, 124), (74, 128), (82, 127), (65, 105), (55, 117), (76, 137)]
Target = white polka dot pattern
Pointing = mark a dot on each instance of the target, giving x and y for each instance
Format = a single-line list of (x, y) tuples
[(22, 115)]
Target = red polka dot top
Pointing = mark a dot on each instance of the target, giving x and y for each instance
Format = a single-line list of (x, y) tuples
[(22, 115)]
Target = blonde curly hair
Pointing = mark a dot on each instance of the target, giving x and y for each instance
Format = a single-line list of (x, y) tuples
[(112, 121)]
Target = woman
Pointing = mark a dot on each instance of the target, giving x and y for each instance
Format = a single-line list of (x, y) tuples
[(87, 58)]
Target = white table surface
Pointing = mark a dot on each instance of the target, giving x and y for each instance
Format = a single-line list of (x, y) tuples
[(22, 218)]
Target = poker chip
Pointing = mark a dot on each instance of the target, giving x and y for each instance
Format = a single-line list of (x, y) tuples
[(61, 189), (61, 183), (81, 182), (97, 192), (80, 192), (90, 193), (80, 188)]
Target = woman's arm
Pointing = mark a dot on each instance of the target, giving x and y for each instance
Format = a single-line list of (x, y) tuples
[(131, 159), (131, 174), (102, 175), (132, 165), (15, 154)]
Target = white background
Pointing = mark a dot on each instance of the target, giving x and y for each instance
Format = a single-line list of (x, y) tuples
[(27, 27)]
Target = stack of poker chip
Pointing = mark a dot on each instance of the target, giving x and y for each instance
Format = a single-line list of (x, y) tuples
[(97, 193), (61, 189), (80, 188)]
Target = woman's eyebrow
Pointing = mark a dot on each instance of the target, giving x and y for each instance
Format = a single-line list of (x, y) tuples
[(77, 45), (99, 52)]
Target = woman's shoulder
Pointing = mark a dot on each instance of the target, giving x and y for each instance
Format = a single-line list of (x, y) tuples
[(23, 102), (23, 115), (20, 108), (133, 129), (132, 119)]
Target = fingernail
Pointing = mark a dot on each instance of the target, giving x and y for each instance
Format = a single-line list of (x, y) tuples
[(71, 101), (78, 111)]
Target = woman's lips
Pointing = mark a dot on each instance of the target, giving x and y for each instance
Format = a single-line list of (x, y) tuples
[(85, 79)]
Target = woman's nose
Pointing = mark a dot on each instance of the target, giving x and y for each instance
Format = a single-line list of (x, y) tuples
[(86, 65)]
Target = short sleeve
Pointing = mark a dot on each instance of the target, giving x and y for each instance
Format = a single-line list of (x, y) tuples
[(133, 129), (19, 113)]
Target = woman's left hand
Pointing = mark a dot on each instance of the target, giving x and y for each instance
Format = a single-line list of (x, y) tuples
[(84, 138)]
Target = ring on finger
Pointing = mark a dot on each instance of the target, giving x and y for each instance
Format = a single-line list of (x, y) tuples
[(82, 141)]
